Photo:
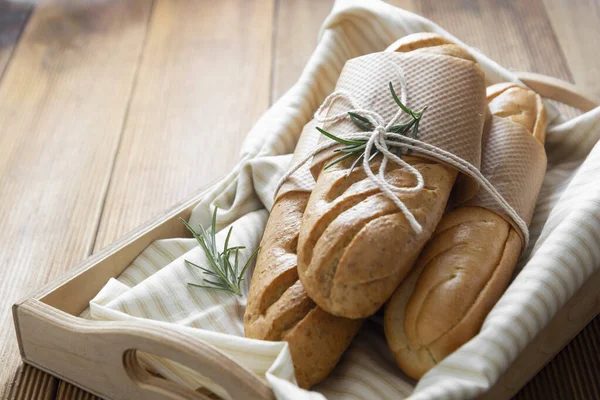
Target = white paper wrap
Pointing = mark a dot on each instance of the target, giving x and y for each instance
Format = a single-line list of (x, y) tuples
[(563, 251)]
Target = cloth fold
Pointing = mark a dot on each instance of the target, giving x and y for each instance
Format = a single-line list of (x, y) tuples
[(563, 249)]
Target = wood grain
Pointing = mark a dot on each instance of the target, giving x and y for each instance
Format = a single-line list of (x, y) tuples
[(297, 24), (206, 60), (516, 34), (62, 102), (74, 347), (31, 383), (204, 79), (573, 373), (12, 21), (577, 28), (66, 391)]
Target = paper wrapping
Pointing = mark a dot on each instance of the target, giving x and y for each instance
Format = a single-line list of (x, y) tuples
[(515, 163), (302, 180), (453, 90)]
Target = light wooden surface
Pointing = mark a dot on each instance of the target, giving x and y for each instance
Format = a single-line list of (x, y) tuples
[(12, 21), (63, 99), (108, 116), (201, 83)]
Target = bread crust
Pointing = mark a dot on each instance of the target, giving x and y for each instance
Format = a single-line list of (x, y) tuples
[(457, 279), (278, 307), (355, 246), (520, 105), (464, 268)]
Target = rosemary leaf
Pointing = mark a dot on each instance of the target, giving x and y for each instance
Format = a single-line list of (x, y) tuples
[(360, 121), (402, 128), (337, 139), (373, 156), (236, 265), (241, 276), (236, 248), (213, 231), (402, 106), (338, 160), (415, 130), (208, 271), (354, 150), (226, 245), (359, 117), (354, 164), (212, 287)]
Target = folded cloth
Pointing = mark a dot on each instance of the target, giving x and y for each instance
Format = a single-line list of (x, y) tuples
[(562, 253)]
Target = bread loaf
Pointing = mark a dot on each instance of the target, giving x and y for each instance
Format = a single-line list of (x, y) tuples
[(278, 307), (355, 246), (464, 268)]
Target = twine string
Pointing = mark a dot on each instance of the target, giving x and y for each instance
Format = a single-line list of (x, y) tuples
[(380, 139)]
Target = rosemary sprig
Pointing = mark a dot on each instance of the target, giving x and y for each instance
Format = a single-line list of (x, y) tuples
[(357, 147), (224, 274)]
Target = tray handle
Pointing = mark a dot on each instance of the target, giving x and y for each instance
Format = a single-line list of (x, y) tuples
[(102, 357), (559, 90), (186, 350)]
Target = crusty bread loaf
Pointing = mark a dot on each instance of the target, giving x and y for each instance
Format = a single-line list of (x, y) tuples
[(432, 43), (355, 246), (464, 268), (278, 308)]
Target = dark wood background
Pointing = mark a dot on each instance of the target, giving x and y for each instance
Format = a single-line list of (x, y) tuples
[(113, 110)]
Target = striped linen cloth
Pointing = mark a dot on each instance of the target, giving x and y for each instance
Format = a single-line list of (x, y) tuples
[(563, 253)]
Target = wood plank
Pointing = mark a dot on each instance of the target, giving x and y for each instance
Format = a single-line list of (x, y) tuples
[(297, 24), (516, 34), (577, 27), (62, 103), (203, 81), (573, 373), (12, 21), (66, 391), (31, 383)]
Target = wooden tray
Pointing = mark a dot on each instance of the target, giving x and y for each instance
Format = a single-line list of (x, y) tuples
[(100, 357)]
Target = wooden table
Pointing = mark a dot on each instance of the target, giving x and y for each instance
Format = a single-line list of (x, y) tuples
[(113, 110)]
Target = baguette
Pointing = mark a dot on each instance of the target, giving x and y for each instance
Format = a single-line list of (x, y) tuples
[(355, 246), (278, 307), (465, 267)]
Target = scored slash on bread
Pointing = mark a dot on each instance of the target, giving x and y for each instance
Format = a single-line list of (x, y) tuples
[(465, 267), (278, 307), (355, 247)]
